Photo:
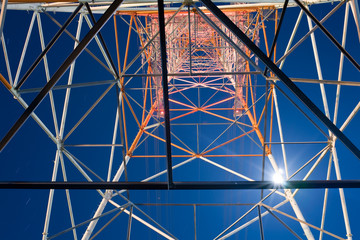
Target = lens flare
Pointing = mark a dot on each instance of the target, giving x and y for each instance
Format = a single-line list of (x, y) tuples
[(277, 177)]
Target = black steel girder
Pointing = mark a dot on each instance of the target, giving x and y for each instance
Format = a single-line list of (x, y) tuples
[(210, 185), (165, 91)]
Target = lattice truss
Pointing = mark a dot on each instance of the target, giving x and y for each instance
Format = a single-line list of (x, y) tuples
[(207, 52), (229, 121)]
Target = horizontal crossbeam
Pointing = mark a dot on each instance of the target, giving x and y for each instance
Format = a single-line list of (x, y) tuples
[(218, 185)]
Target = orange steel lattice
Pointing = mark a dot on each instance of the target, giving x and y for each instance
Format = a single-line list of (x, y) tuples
[(198, 58)]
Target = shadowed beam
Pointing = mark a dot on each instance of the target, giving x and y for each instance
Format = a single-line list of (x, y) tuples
[(312, 184), (165, 91)]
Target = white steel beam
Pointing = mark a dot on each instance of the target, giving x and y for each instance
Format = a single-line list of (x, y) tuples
[(113, 142), (2, 15), (277, 111), (70, 80), (293, 202), (68, 199), (342, 195), (356, 13), (47, 74), (318, 69), (104, 201), (51, 197), (25, 48), (298, 20), (6, 59), (326, 194), (341, 63)]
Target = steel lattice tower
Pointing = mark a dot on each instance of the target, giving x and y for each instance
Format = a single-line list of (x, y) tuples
[(192, 109)]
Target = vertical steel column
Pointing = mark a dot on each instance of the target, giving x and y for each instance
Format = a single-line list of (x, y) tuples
[(282, 76), (165, 90), (55, 78)]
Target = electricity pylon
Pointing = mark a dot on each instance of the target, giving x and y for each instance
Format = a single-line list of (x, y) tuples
[(226, 112)]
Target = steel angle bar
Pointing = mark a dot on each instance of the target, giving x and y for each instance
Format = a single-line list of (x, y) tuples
[(120, 124), (7, 63), (48, 47), (342, 195), (328, 34), (356, 13), (264, 137), (2, 16), (129, 223), (283, 223), (51, 196), (197, 185), (25, 47), (67, 192), (260, 223), (282, 76), (102, 41), (47, 74), (165, 91), (55, 78)]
